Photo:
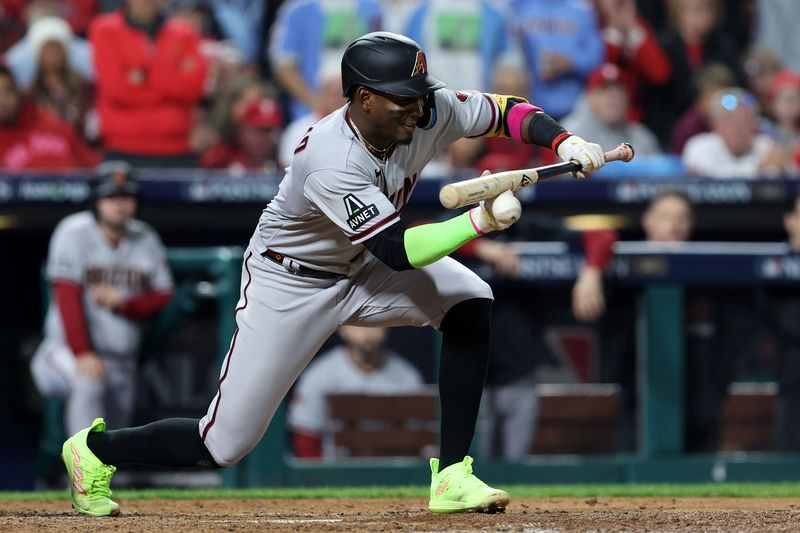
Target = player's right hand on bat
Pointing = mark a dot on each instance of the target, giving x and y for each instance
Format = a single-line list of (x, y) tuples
[(483, 216), (590, 155)]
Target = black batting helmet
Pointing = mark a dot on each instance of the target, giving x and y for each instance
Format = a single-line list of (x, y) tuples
[(387, 62), (114, 178)]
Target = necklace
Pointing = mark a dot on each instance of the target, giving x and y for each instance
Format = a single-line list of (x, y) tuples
[(380, 153)]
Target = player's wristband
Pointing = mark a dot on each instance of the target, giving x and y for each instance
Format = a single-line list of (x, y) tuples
[(428, 243), (515, 117)]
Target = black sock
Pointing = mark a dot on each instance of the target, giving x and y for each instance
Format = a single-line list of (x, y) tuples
[(466, 332), (171, 442)]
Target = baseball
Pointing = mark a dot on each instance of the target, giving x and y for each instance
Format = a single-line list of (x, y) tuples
[(506, 208)]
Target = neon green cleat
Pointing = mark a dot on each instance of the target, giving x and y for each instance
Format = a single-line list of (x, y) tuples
[(90, 479), (457, 490)]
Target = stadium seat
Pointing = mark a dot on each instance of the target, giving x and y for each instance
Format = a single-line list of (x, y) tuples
[(748, 417), (577, 418), (384, 425)]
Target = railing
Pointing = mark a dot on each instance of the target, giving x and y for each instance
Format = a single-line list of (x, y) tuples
[(208, 187)]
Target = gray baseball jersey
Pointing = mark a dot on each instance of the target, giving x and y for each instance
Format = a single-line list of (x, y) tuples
[(335, 195), (80, 254)]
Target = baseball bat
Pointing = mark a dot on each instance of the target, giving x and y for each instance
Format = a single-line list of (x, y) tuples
[(485, 187)]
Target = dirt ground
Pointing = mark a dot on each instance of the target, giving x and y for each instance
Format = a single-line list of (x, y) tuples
[(523, 515)]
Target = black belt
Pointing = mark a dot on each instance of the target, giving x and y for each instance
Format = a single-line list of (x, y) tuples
[(293, 267)]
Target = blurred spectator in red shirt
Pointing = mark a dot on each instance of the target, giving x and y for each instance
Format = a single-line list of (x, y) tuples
[(255, 145), (707, 81), (785, 105), (35, 138), (230, 102), (631, 44), (150, 75), (692, 42), (56, 85)]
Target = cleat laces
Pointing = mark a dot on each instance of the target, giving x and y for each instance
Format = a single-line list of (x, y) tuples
[(101, 484)]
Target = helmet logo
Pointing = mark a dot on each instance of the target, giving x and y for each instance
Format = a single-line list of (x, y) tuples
[(420, 64), (119, 178)]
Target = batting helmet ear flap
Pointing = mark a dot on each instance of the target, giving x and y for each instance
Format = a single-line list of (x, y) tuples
[(428, 118)]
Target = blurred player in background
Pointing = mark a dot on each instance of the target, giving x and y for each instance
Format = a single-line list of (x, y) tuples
[(362, 364), (107, 272)]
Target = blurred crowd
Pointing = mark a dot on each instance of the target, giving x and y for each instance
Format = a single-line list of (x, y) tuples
[(707, 88), (704, 87)]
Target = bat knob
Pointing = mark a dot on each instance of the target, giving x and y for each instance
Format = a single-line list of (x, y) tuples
[(626, 151), (448, 196)]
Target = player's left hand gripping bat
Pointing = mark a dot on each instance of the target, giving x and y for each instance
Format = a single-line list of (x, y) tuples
[(485, 187)]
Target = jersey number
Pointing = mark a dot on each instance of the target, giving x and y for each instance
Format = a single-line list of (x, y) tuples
[(303, 142)]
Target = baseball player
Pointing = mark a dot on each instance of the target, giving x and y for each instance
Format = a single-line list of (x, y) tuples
[(107, 271), (330, 249)]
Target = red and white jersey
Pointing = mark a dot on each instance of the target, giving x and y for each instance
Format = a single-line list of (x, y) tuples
[(336, 194), (81, 255)]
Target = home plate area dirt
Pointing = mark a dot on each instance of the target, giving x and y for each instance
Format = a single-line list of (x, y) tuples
[(409, 514)]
